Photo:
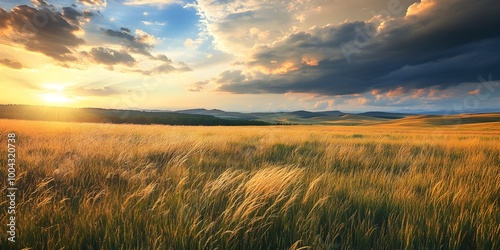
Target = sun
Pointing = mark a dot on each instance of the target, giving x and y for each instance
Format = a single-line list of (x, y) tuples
[(55, 98), (55, 95)]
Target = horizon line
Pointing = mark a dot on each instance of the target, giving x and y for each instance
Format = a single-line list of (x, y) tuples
[(400, 111)]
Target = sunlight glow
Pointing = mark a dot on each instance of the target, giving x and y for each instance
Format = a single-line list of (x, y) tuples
[(55, 87), (55, 98), (56, 94)]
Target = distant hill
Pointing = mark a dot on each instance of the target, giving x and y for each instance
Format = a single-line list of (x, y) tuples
[(26, 112), (440, 120), (306, 114), (272, 117), (385, 115), (214, 117), (332, 113), (218, 113)]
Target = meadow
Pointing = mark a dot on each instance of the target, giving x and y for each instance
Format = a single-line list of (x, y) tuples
[(389, 186)]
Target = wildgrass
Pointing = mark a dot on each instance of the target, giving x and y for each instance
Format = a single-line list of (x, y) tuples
[(103, 186)]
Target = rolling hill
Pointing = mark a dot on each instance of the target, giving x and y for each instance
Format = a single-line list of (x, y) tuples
[(215, 117), (96, 115), (448, 120)]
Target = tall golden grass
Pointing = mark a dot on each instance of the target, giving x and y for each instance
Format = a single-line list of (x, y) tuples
[(96, 186)]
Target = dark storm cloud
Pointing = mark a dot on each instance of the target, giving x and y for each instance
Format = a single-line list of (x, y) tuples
[(11, 64), (111, 57), (71, 13), (42, 30), (4, 18), (88, 14), (442, 45), (235, 81), (76, 17)]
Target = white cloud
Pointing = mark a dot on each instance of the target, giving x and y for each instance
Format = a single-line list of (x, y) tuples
[(145, 38), (147, 23), (240, 25), (193, 44)]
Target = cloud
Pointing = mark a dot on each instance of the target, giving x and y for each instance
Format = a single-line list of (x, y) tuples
[(141, 43), (425, 6), (71, 14), (111, 57), (125, 30), (153, 23), (166, 68), (237, 26), (413, 52), (52, 34), (236, 81), (38, 3), (93, 2), (198, 86), (76, 17), (182, 66), (145, 38), (83, 91), (11, 64), (231, 76), (474, 92), (161, 69), (124, 33), (58, 32), (153, 2), (192, 44), (164, 58), (4, 18)]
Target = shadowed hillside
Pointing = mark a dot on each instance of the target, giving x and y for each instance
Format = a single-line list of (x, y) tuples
[(41, 113)]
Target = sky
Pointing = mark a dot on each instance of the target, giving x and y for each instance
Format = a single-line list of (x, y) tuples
[(252, 55)]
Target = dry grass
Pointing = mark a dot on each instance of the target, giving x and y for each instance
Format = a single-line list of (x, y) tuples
[(92, 186)]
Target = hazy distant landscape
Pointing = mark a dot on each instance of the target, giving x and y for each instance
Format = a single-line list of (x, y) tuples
[(214, 117)]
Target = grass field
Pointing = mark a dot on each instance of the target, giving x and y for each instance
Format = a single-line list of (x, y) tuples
[(97, 186)]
